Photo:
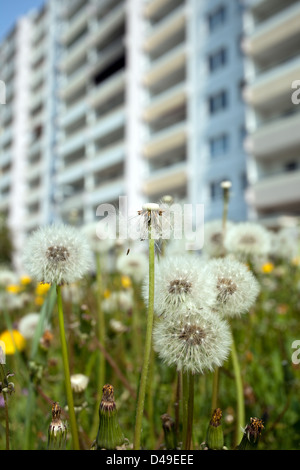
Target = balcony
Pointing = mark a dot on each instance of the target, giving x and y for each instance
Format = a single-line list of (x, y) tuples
[(76, 24), (275, 138), (273, 86), (165, 28), (166, 65), (166, 179), (279, 32), (165, 102), (76, 81), (277, 191), (107, 89), (109, 191), (166, 140)]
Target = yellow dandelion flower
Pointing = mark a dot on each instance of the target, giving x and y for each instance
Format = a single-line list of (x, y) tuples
[(106, 294), (13, 341), (267, 268), (39, 300), (25, 280), (296, 261), (126, 282), (42, 289), (13, 289)]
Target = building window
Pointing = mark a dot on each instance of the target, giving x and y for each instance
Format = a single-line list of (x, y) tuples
[(219, 145), (291, 166), (218, 102), (217, 60), (216, 18)]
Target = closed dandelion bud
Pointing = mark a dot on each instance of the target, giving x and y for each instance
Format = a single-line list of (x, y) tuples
[(109, 434), (169, 431), (57, 432), (252, 433), (215, 437), (79, 383)]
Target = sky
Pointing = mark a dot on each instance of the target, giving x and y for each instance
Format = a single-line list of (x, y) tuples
[(10, 10)]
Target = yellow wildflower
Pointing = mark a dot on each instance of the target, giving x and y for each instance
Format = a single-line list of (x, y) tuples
[(25, 280), (39, 300), (13, 341), (106, 294), (13, 289), (296, 261), (42, 289), (126, 282), (267, 268)]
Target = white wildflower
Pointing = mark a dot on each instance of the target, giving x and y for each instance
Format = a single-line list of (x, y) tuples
[(118, 300), (247, 239), (197, 341), (180, 280), (237, 287), (99, 236), (213, 238), (28, 324), (57, 254), (134, 265), (8, 277), (79, 382)]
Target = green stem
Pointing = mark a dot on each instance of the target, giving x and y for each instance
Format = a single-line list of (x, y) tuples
[(215, 390), (185, 406), (64, 350), (240, 423), (101, 327), (147, 351), (190, 411), (150, 408), (3, 378)]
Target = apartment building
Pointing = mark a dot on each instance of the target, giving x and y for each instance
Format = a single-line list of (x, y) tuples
[(273, 120), (125, 97), (14, 67), (194, 113)]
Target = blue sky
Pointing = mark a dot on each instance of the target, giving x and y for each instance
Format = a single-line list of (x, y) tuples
[(10, 10)]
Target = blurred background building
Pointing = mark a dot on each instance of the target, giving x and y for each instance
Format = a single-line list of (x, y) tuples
[(106, 98)]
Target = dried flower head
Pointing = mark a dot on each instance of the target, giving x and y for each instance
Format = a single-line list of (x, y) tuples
[(57, 432), (57, 254), (134, 265), (181, 281), (236, 285), (247, 239), (214, 239), (196, 342)]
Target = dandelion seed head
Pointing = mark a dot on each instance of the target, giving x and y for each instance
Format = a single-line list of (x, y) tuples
[(213, 238), (180, 280), (197, 342), (237, 287), (57, 254), (247, 239)]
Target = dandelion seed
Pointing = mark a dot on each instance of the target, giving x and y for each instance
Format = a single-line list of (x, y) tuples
[(236, 285), (197, 342), (57, 254)]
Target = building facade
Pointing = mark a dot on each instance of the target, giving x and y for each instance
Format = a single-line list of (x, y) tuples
[(273, 117), (123, 97)]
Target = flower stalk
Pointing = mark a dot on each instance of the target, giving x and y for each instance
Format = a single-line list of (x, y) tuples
[(148, 343), (64, 350), (240, 423)]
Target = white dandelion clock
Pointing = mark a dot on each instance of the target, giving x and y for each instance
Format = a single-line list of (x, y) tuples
[(213, 238), (236, 285), (181, 281), (28, 324), (247, 239), (99, 236), (57, 254), (7, 277), (196, 342), (134, 265)]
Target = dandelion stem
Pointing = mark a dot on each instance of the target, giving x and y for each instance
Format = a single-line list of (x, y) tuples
[(240, 423), (64, 350), (185, 401), (215, 390), (101, 326), (190, 411), (3, 378), (147, 351)]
